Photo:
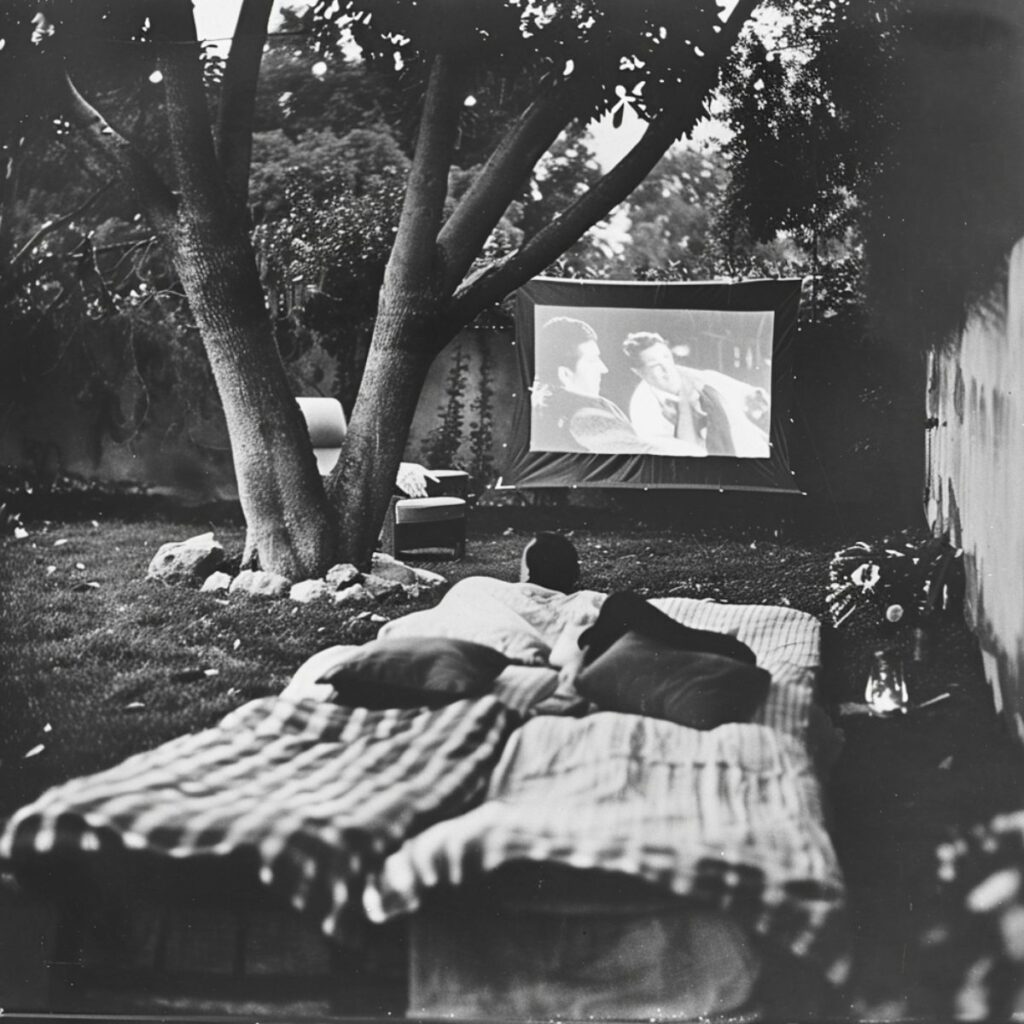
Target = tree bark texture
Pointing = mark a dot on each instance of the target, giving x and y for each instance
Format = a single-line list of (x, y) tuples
[(282, 496), (362, 485), (405, 336)]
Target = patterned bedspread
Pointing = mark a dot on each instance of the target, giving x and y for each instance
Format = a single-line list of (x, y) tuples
[(731, 818), (353, 813), (320, 793)]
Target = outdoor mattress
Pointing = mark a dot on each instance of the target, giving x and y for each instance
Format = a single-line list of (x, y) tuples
[(355, 816)]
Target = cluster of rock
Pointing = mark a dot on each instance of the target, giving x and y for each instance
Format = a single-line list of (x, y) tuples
[(200, 561)]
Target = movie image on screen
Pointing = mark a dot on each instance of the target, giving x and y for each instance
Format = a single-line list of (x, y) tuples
[(683, 382), (651, 384)]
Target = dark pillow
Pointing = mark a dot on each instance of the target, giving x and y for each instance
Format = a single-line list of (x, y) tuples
[(410, 672), (643, 676)]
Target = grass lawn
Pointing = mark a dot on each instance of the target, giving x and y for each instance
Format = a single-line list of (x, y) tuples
[(93, 673), (100, 662)]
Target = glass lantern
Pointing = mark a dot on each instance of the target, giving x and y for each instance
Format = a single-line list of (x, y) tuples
[(886, 690)]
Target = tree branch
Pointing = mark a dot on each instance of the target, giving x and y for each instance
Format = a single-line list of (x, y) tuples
[(238, 97), (494, 282), (118, 154), (200, 181), (503, 177), (413, 261), (53, 225)]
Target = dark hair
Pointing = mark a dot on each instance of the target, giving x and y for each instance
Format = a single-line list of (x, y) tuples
[(640, 341), (558, 344), (552, 562)]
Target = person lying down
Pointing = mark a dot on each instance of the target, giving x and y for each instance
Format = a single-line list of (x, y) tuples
[(542, 646)]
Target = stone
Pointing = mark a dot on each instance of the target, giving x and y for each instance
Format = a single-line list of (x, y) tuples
[(187, 561), (389, 568), (381, 588), (431, 580), (354, 597), (343, 575), (257, 583), (216, 583), (311, 590)]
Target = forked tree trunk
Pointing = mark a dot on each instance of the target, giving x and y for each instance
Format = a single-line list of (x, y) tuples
[(403, 347), (283, 500)]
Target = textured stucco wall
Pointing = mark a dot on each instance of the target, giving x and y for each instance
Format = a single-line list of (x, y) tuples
[(976, 476)]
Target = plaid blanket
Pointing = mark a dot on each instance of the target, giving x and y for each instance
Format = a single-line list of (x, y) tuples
[(320, 793), (730, 818)]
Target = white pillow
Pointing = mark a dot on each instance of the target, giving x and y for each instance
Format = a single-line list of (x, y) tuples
[(307, 681), (518, 643)]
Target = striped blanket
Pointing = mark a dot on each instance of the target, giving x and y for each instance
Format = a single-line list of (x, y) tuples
[(320, 793), (730, 818), (354, 814)]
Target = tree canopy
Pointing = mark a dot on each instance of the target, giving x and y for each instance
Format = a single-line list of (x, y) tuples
[(463, 238)]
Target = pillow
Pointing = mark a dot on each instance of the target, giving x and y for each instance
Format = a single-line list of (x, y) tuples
[(513, 638), (310, 679), (642, 676), (414, 672)]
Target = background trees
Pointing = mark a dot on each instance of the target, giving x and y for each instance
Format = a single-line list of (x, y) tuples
[(474, 122)]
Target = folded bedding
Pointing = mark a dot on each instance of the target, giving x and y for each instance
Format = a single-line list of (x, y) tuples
[(730, 818), (320, 794)]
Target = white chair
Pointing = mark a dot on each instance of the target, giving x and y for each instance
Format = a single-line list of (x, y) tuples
[(436, 521), (325, 421)]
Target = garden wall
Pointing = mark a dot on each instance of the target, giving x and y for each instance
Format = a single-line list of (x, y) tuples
[(975, 476)]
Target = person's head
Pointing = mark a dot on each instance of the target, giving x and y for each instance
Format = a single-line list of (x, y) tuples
[(651, 360), (550, 560), (568, 356)]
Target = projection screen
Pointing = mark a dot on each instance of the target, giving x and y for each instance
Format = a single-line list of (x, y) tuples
[(630, 384)]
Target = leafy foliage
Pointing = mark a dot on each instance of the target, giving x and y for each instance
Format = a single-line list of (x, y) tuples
[(636, 54), (804, 106), (341, 214), (441, 448)]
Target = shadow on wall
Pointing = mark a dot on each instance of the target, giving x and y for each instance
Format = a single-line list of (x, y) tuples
[(949, 211)]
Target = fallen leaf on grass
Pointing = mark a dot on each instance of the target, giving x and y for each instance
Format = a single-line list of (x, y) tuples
[(236, 645), (20, 533), (58, 543), (366, 616), (211, 671), (136, 705), (37, 749), (188, 675), (946, 763), (80, 565), (79, 588), (50, 570)]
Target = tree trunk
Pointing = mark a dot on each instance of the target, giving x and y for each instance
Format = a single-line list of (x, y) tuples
[(405, 341), (282, 496)]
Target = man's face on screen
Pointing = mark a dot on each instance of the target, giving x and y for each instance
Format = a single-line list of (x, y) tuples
[(658, 368), (585, 377)]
